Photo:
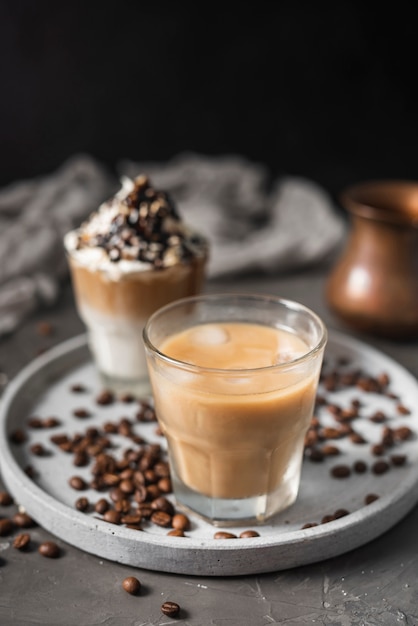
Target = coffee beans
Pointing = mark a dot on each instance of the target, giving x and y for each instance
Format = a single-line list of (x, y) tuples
[(135, 479), (171, 609), (6, 527), (340, 471), (176, 532), (131, 585), (248, 534), (105, 397), (23, 520), (21, 541), (112, 516), (49, 549), (375, 432), (81, 413), (380, 467), (5, 498), (180, 522), (161, 518), (82, 504), (78, 483)]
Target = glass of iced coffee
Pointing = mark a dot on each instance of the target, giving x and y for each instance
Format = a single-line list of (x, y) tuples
[(129, 258), (234, 380)]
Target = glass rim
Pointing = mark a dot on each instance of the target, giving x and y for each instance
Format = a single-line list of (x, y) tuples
[(249, 296)]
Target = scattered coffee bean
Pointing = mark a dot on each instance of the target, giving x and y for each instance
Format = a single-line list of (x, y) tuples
[(314, 454), (81, 413), (221, 534), (6, 527), (30, 471), (18, 436), (82, 504), (35, 423), (38, 449), (171, 609), (180, 522), (127, 398), (247, 534), (49, 549), (123, 506), (398, 459), (331, 433), (309, 525), (378, 417), (5, 498), (112, 516), (77, 388), (81, 459), (371, 497), (357, 438), (388, 439), (163, 504), (101, 506), (378, 449), (78, 483), (176, 532), (330, 450), (59, 439), (402, 433), (383, 379), (21, 541), (105, 397), (360, 467), (164, 485), (380, 467), (23, 520), (51, 422), (131, 585), (403, 410), (134, 519), (341, 513), (161, 518), (340, 471)]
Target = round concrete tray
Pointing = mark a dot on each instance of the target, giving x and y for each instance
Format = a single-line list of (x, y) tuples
[(43, 389)]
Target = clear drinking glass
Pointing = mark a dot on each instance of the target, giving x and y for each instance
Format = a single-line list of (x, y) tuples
[(115, 307), (235, 421)]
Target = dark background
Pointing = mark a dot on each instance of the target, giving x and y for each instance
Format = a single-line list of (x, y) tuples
[(324, 90)]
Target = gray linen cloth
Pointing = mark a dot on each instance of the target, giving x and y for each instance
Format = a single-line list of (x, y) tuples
[(250, 225)]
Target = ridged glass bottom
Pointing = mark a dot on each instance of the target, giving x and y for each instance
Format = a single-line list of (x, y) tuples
[(236, 512)]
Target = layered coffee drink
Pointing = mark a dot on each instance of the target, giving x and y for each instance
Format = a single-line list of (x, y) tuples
[(129, 258)]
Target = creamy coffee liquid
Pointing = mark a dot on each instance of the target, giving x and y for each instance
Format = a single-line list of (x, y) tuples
[(235, 433)]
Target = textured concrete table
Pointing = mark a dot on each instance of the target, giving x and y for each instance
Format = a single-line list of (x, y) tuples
[(373, 585)]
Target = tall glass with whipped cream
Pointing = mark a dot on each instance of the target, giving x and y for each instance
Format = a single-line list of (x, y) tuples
[(129, 258)]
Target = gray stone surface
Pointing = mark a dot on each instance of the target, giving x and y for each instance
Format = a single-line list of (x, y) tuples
[(373, 585)]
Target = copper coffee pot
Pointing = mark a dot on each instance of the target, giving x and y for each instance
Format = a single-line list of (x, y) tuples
[(373, 286)]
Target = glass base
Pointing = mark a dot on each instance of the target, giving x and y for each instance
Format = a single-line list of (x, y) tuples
[(236, 512)]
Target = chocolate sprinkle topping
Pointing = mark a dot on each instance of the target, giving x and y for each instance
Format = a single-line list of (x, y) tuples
[(147, 228)]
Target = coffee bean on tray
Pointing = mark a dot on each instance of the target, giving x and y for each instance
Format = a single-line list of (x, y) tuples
[(341, 471)]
